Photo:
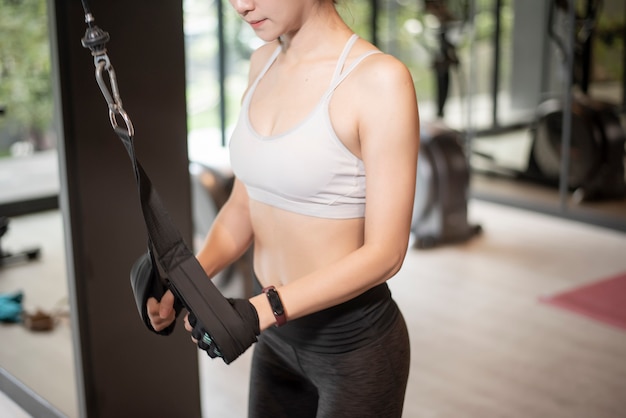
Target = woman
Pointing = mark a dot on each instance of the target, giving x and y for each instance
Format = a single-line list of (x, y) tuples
[(325, 114)]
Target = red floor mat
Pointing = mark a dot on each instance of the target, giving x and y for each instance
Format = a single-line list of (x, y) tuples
[(603, 300)]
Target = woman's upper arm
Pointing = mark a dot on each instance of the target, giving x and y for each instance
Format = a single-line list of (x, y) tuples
[(389, 140)]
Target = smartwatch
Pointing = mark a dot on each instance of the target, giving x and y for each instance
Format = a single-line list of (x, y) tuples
[(276, 304)]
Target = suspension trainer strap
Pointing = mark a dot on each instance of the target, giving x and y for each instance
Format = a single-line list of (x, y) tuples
[(184, 275), (187, 278)]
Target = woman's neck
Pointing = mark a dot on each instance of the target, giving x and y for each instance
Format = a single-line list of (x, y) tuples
[(321, 31)]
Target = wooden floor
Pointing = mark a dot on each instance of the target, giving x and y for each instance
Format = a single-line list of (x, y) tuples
[(483, 345)]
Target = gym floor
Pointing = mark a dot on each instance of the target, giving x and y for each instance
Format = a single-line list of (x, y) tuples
[(482, 343)]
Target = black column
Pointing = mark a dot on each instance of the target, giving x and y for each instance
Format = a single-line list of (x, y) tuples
[(122, 369)]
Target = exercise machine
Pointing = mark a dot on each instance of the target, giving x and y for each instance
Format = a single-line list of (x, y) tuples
[(597, 136), (441, 192)]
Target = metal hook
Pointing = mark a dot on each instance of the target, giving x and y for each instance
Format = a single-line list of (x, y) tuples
[(112, 96)]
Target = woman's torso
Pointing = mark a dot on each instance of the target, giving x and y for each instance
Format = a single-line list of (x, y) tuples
[(287, 244)]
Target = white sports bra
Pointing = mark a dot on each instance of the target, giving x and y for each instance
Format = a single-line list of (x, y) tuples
[(306, 169)]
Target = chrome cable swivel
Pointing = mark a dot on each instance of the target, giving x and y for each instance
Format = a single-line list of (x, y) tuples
[(95, 39)]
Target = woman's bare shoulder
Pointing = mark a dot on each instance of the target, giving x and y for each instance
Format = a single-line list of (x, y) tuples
[(382, 84), (383, 71), (384, 97)]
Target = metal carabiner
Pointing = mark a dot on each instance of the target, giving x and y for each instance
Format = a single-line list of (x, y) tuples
[(112, 97)]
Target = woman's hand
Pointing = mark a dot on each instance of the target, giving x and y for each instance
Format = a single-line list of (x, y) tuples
[(189, 328), (240, 336), (162, 313)]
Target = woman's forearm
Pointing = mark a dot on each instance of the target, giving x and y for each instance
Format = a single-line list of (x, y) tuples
[(230, 235)]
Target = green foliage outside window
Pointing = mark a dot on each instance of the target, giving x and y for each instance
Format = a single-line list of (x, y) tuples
[(25, 82)]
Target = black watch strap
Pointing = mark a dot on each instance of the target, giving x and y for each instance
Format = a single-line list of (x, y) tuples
[(276, 304)]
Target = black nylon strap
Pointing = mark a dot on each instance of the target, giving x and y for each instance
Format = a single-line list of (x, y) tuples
[(187, 278)]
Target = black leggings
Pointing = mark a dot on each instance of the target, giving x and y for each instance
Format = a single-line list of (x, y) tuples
[(365, 378)]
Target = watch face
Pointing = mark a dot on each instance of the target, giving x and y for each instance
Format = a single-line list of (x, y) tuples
[(276, 304), (274, 299)]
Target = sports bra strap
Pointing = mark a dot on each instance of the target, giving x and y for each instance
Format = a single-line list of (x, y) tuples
[(338, 76), (344, 55), (353, 65), (269, 63)]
